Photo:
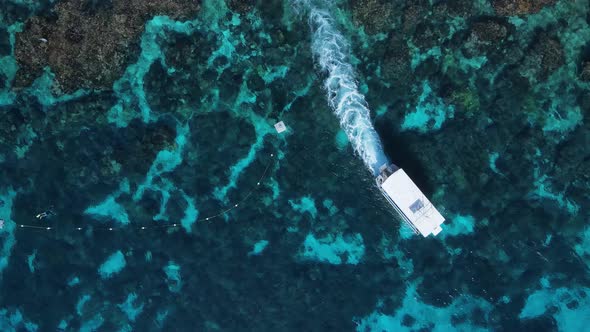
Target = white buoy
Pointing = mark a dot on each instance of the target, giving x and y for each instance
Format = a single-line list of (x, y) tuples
[(280, 127)]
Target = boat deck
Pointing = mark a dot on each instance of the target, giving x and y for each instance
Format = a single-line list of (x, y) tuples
[(409, 202)]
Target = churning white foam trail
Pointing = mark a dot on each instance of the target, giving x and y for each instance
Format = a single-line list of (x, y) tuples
[(330, 50)]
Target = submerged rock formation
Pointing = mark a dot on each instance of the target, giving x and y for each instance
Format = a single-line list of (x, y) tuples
[(88, 44)]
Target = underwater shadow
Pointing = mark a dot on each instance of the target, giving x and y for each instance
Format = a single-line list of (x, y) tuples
[(397, 147)]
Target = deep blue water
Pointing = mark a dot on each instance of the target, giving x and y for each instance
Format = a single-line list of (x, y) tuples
[(174, 205)]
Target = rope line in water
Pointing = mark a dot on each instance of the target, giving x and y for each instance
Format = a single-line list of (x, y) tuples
[(208, 219)]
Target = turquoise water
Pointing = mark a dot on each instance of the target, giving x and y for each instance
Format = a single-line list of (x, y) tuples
[(175, 205)]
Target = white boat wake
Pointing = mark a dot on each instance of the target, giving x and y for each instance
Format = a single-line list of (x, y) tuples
[(330, 50)]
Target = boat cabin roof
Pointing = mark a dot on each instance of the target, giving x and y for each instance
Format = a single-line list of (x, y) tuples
[(413, 203)]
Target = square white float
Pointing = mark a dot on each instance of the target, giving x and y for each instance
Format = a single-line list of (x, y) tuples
[(280, 127)]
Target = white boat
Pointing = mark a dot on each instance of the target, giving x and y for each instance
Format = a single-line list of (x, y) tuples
[(408, 201)]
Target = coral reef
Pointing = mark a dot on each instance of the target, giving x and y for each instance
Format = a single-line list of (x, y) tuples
[(88, 44), (241, 6), (545, 56), (467, 99), (396, 59), (413, 14), (486, 36), (520, 7), (373, 15)]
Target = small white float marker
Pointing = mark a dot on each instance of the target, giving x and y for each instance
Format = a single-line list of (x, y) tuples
[(280, 127)]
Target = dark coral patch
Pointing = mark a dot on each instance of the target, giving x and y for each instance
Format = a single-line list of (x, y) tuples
[(520, 7), (88, 44), (375, 15)]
